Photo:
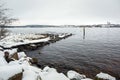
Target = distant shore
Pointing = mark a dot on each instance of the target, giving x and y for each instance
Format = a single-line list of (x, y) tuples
[(67, 26)]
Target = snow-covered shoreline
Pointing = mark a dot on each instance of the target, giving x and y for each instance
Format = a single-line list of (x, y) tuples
[(23, 66)]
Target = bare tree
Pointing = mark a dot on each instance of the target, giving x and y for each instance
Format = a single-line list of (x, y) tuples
[(5, 20)]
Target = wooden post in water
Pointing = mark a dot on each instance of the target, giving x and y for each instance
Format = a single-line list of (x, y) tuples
[(84, 32)]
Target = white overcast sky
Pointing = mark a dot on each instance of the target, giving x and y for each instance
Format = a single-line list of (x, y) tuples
[(62, 12)]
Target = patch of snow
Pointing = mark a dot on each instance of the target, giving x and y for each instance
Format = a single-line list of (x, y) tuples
[(105, 76), (16, 62), (1, 48), (35, 69), (52, 74), (8, 71), (74, 75), (87, 79), (2, 60), (29, 75), (48, 69), (24, 61), (39, 40), (21, 55), (61, 36)]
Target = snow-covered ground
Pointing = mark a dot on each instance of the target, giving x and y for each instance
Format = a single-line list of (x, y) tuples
[(30, 72)]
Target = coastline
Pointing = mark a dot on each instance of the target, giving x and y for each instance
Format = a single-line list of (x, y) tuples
[(38, 44)]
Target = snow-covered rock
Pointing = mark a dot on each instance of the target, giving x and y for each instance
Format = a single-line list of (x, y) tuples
[(48, 69), (87, 79), (74, 75), (2, 60), (21, 61), (16, 62), (35, 69), (25, 61), (7, 72), (102, 75), (52, 74), (61, 35), (21, 55), (1, 48), (30, 75), (11, 51)]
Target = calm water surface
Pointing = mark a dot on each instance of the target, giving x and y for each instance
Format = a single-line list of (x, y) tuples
[(96, 50)]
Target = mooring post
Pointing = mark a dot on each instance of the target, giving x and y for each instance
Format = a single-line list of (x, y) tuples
[(83, 32)]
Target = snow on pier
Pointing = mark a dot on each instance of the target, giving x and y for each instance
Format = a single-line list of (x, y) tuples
[(14, 40)]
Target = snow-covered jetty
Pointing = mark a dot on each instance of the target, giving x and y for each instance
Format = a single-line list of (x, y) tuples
[(31, 41)]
